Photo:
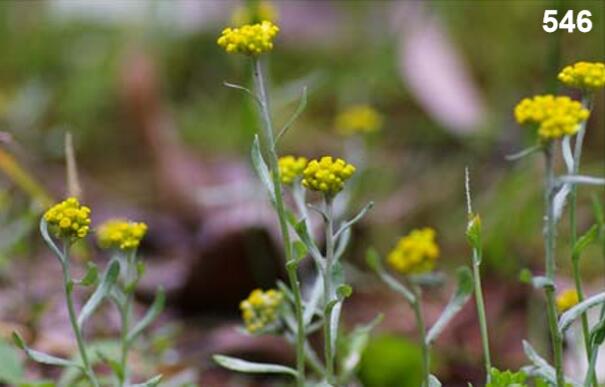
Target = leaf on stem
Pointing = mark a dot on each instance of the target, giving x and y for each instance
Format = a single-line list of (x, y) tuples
[(150, 383), (153, 312), (334, 308), (586, 239), (260, 166), (311, 306), (345, 226), (356, 343), (433, 381), (41, 357), (373, 261), (239, 365), (302, 104), (305, 237), (580, 179), (572, 314), (459, 298), (342, 243), (244, 89), (524, 153), (103, 290), (540, 367), (49, 240), (92, 275)]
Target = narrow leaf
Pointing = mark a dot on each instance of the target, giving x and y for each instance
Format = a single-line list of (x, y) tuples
[(357, 218), (543, 369), (572, 314), (311, 305), (299, 109), (49, 241), (357, 342), (240, 365), (585, 240), (153, 312), (92, 275), (579, 179), (459, 298), (109, 279), (524, 153), (305, 237), (433, 381), (260, 166), (150, 383), (373, 260), (41, 357)]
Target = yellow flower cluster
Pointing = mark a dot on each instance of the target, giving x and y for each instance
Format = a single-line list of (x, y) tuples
[(121, 234), (250, 39), (358, 119), (567, 299), (260, 309), (415, 253), (252, 13), (327, 175), (555, 116), (290, 168), (584, 75), (69, 219)]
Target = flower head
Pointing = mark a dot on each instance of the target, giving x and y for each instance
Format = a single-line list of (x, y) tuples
[(567, 299), (415, 253), (260, 309), (584, 75), (555, 116), (358, 119), (327, 175), (121, 234), (69, 219), (250, 39), (253, 13), (290, 168)]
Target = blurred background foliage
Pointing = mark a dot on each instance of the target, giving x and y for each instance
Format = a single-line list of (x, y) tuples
[(63, 68)]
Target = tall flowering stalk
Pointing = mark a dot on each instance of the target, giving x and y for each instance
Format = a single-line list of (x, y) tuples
[(588, 77), (554, 117)]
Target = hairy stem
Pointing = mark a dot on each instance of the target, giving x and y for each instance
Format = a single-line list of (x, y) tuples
[(269, 143), (549, 245), (426, 361), (327, 273), (481, 311), (73, 318)]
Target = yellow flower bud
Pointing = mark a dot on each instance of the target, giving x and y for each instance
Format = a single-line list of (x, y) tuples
[(69, 219), (415, 253), (121, 234)]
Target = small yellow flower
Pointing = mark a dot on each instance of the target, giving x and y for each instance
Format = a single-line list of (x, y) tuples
[(290, 168), (415, 253), (260, 309), (253, 13), (250, 39), (567, 299), (69, 219), (327, 175), (358, 119), (584, 75), (555, 117), (121, 234)]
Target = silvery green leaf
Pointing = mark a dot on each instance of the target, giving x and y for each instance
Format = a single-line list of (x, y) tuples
[(433, 381), (428, 279), (585, 240), (357, 341), (347, 225), (92, 275), (338, 275), (153, 312), (541, 368), (150, 383), (314, 298), (49, 240), (11, 364), (542, 282), (567, 153), (244, 89), (109, 279), (342, 243), (524, 153), (459, 298), (41, 357), (560, 200), (597, 210), (576, 311), (285, 290), (240, 365), (597, 335), (305, 237), (334, 308), (299, 109), (473, 231), (261, 168), (300, 250), (579, 179), (373, 260)]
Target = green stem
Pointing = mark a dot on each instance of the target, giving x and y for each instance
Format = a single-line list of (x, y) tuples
[(481, 311), (73, 318), (281, 213), (577, 155), (130, 278), (426, 361), (327, 273), (549, 245)]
